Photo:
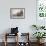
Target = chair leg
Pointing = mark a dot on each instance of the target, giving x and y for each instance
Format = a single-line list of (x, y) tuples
[(5, 43), (5, 40)]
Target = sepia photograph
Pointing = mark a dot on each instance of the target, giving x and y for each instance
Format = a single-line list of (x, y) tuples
[(17, 13)]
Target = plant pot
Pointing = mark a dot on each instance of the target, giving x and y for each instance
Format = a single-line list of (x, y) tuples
[(40, 41)]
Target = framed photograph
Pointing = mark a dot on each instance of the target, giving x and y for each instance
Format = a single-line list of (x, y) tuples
[(41, 8), (17, 13), (41, 12)]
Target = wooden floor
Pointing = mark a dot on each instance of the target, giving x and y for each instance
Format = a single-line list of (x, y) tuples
[(13, 44)]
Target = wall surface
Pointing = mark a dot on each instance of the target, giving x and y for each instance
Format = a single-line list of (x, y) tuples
[(23, 24)]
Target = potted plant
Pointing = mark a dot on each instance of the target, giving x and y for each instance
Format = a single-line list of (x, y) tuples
[(42, 27), (35, 26), (38, 27), (39, 35)]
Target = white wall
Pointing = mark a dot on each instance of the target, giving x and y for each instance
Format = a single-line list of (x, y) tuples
[(23, 24)]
